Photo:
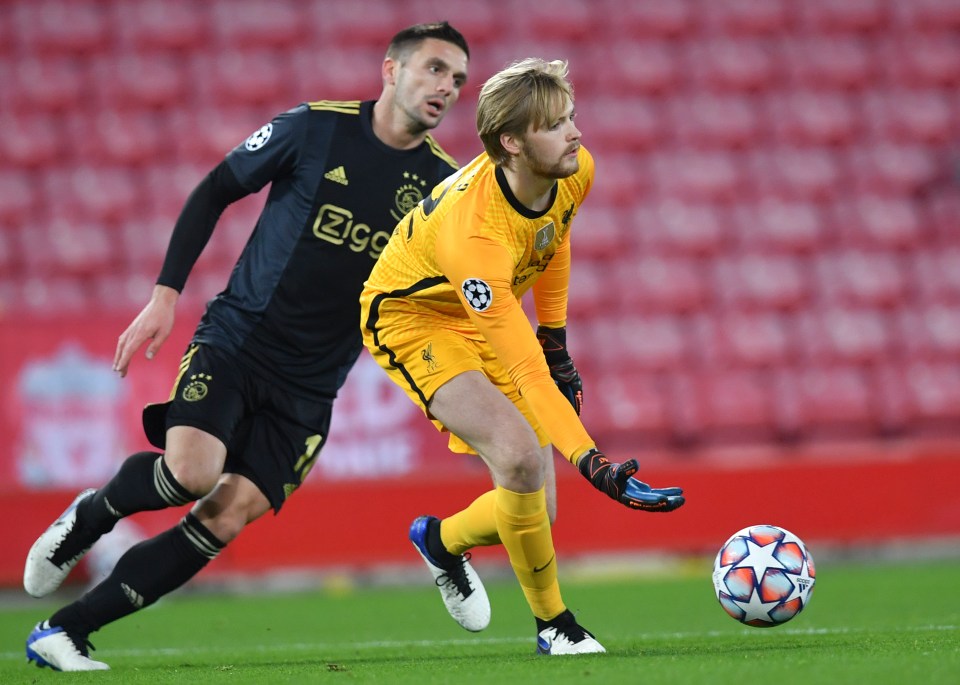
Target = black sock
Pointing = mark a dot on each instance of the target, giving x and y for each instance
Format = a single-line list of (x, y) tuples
[(564, 618), (145, 573), (435, 545), (143, 483)]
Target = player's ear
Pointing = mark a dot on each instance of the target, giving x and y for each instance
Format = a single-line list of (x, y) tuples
[(510, 143), (388, 71)]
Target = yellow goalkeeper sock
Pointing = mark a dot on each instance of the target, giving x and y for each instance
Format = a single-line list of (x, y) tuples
[(525, 531), (475, 526)]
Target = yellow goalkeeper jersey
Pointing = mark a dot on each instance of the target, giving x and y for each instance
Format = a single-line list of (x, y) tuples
[(466, 255)]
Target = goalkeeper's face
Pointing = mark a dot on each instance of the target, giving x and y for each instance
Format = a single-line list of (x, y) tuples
[(550, 151)]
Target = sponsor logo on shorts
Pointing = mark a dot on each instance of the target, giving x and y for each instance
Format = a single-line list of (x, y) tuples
[(477, 293), (197, 388)]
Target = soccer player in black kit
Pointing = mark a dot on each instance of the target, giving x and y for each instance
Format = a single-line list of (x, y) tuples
[(251, 406)]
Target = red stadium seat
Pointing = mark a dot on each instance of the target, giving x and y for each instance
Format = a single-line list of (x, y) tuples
[(826, 402), (823, 61), (356, 24), (737, 406), (745, 17), (330, 72), (250, 24), (655, 283), (844, 336), (909, 115), (48, 84), (805, 117), (931, 331), (647, 343), (673, 227), (560, 20), (705, 120), (861, 279), (935, 273), (921, 60), (637, 67), (140, 81), (928, 15), (732, 339), (695, 176), (877, 222), (105, 194), (847, 16), (62, 26), (674, 19), (807, 174), (110, 138), (620, 125), (151, 25), (234, 77), (773, 225), (601, 232), (732, 64), (18, 201), (761, 281), (892, 169), (935, 391), (636, 404)]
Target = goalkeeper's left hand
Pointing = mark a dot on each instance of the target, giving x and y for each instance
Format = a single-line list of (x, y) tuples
[(617, 482), (562, 371)]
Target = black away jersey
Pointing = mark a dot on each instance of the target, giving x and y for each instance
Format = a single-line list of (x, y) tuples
[(291, 306)]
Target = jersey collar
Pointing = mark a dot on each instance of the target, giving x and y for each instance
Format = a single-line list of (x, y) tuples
[(520, 208)]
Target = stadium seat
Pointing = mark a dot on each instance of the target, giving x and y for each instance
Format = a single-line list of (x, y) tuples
[(657, 283), (638, 404), (826, 402), (601, 232), (921, 60), (639, 343), (889, 169), (775, 225), (806, 117), (935, 273), (732, 339), (932, 331), (617, 125), (241, 77), (732, 64), (844, 336), (708, 121), (148, 26), (673, 227), (641, 67), (675, 19), (909, 115), (48, 84), (804, 174), (736, 406), (758, 281), (110, 137), (842, 17), (855, 278), (698, 176), (935, 391), (825, 62), (251, 25), (873, 221), (745, 17), (559, 20), (330, 72), (18, 201), (137, 81), (927, 15), (64, 27), (360, 23)]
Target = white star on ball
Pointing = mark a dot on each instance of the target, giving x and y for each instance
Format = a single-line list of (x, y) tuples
[(802, 583), (756, 608), (760, 558)]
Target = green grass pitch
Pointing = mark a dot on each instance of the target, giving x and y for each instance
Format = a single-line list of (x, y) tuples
[(871, 623)]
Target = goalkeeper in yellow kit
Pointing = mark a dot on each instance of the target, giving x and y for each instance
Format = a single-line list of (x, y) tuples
[(441, 313)]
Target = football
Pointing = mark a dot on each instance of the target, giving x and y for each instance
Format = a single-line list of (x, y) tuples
[(763, 576)]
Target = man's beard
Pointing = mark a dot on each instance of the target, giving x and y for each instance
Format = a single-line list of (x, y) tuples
[(557, 170)]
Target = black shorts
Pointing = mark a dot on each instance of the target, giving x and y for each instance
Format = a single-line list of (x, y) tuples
[(273, 437)]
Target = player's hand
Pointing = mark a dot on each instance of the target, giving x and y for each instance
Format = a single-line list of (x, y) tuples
[(153, 323), (562, 371), (617, 482)]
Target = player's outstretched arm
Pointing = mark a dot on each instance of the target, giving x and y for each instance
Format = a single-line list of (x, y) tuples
[(617, 482), (153, 323)]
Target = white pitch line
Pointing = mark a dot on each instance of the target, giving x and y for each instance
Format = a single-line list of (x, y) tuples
[(346, 647)]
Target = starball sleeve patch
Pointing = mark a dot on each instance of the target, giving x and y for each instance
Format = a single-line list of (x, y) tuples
[(477, 293)]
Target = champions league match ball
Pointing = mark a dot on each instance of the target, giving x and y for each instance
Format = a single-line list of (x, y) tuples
[(763, 576)]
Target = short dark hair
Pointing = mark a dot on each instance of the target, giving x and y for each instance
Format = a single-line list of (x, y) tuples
[(411, 37)]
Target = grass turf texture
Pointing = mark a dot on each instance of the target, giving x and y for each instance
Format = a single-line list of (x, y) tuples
[(867, 623)]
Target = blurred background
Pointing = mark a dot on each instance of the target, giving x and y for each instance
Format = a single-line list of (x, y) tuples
[(765, 300)]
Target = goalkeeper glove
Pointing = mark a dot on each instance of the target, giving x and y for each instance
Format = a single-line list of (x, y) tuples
[(562, 371), (617, 482)]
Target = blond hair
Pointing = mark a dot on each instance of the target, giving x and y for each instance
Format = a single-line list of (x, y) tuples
[(529, 92)]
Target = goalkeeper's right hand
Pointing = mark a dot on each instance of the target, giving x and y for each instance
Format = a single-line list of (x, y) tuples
[(617, 482)]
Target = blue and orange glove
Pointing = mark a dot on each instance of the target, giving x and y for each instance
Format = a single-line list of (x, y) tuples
[(617, 482), (562, 371)]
